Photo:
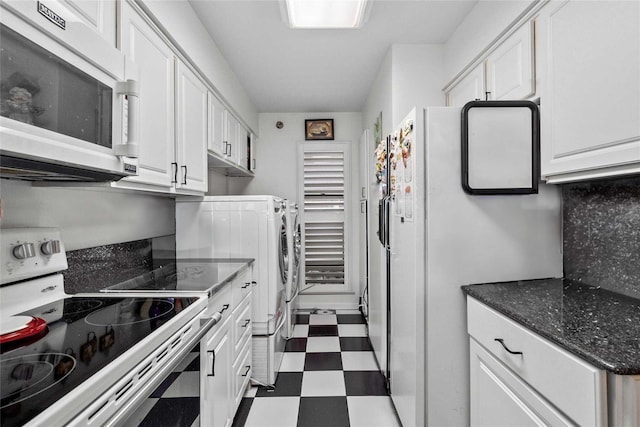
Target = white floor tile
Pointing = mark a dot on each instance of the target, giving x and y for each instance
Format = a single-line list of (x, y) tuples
[(136, 418), (323, 344), (273, 412), (292, 362), (185, 362), (323, 383), (186, 385), (359, 361), (323, 319), (371, 411), (251, 391), (352, 330), (301, 331)]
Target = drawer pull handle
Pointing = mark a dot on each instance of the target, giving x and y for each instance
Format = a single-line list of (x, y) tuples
[(501, 341), (246, 323), (224, 307), (246, 285), (213, 363), (247, 371)]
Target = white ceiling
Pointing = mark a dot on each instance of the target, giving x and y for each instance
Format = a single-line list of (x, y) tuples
[(286, 70)]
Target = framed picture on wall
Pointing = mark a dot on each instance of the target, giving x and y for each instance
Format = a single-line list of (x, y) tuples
[(318, 129)]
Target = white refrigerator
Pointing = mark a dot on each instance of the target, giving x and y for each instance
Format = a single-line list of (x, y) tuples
[(439, 238)]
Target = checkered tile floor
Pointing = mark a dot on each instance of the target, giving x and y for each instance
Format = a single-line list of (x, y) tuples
[(329, 378)]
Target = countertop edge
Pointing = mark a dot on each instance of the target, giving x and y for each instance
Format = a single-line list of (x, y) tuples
[(588, 357)]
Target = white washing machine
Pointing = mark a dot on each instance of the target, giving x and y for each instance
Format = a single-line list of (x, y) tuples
[(245, 227), (292, 288)]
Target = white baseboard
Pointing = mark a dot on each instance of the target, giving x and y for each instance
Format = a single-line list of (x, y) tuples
[(339, 302)]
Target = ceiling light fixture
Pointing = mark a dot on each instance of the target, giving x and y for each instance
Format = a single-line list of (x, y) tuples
[(325, 14)]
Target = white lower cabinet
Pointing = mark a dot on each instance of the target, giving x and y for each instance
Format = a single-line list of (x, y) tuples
[(501, 398), (216, 384), (519, 378), (225, 354)]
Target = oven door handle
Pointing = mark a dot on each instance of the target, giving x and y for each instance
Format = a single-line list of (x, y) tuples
[(119, 419)]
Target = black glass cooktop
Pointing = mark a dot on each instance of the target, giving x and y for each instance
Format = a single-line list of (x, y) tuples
[(83, 335)]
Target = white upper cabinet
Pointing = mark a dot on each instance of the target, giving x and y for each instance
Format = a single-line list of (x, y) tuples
[(242, 141), (510, 68), (97, 14), (590, 105), (155, 61), (191, 130), (216, 125), (470, 88), (507, 72)]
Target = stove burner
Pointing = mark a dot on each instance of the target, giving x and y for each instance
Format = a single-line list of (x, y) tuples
[(77, 306), (26, 376), (129, 312)]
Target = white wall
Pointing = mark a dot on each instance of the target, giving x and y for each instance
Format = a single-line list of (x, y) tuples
[(486, 21), (417, 73), (379, 99), (87, 216), (183, 26), (218, 184)]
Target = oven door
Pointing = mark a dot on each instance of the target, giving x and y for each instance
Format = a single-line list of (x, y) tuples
[(67, 97)]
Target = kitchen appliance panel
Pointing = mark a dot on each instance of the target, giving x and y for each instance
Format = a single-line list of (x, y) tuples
[(69, 100)]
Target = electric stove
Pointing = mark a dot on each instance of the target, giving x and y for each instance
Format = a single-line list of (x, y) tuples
[(99, 355)]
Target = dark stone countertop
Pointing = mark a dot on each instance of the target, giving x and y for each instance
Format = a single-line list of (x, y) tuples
[(597, 325), (208, 275)]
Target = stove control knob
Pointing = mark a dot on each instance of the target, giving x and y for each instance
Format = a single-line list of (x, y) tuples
[(50, 247), (24, 251)]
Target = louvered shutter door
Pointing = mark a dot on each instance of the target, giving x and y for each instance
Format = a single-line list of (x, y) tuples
[(324, 216)]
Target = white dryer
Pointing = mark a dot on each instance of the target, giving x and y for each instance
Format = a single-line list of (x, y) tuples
[(245, 227), (292, 288)]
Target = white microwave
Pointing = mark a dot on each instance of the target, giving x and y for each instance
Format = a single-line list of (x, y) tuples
[(68, 99)]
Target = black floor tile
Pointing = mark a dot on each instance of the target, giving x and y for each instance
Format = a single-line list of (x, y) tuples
[(287, 384), (178, 411), (364, 383), (296, 344), (355, 344), (194, 365), (302, 319), (165, 384), (323, 412), (242, 413), (323, 362), (323, 330), (350, 318)]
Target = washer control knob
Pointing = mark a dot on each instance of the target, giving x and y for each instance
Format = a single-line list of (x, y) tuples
[(24, 251), (50, 247)]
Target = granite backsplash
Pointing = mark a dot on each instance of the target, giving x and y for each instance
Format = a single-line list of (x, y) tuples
[(93, 269), (602, 234)]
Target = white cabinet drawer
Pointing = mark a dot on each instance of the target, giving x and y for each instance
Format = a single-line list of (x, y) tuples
[(500, 398), (241, 287), (242, 371), (242, 324), (572, 385), (221, 303)]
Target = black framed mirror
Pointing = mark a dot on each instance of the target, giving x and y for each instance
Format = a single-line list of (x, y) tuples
[(500, 147)]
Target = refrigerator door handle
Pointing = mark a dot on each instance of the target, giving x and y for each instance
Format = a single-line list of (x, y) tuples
[(381, 221), (387, 210)]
